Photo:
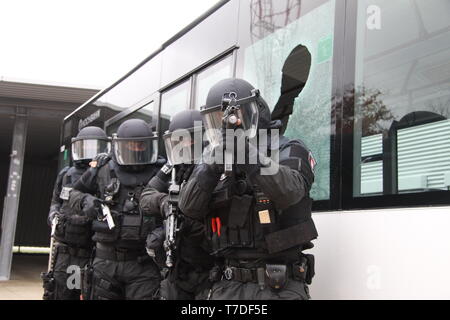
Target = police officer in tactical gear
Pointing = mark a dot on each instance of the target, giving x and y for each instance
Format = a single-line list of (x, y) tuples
[(109, 193), (189, 274), (258, 224), (73, 233)]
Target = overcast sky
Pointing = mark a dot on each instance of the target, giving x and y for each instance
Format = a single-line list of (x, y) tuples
[(86, 42)]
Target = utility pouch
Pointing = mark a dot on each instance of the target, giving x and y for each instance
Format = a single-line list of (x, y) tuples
[(276, 275), (78, 230), (131, 227), (215, 274), (304, 269), (48, 283), (310, 272), (300, 269), (240, 207), (221, 198)]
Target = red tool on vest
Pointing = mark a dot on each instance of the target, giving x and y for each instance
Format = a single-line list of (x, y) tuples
[(216, 225)]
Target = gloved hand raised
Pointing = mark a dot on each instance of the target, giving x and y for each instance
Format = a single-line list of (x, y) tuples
[(100, 160)]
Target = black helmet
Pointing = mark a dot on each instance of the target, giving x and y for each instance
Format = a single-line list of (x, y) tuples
[(135, 143), (89, 142), (237, 103), (179, 139)]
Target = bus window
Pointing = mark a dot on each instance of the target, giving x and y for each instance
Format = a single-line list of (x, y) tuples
[(210, 76), (401, 131), (286, 52), (145, 113), (172, 102)]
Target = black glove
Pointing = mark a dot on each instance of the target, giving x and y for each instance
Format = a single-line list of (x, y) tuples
[(209, 158), (184, 172), (164, 207), (52, 216), (91, 206), (246, 156), (155, 241), (101, 159)]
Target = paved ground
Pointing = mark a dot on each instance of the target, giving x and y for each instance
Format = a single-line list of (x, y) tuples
[(25, 283)]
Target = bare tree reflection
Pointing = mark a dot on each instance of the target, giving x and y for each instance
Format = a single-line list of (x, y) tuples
[(267, 17), (364, 108)]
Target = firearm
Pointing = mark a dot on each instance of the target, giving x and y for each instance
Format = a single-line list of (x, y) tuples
[(48, 277), (231, 120), (172, 223), (110, 191)]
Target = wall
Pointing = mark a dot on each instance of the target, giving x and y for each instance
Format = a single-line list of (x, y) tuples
[(383, 254)]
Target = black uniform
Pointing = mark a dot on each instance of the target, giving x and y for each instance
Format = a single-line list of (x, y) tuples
[(189, 276), (72, 233), (257, 224), (109, 194), (122, 268)]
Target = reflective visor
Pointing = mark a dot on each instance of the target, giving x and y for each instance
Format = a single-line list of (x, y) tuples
[(248, 115), (89, 148), (181, 148), (135, 151)]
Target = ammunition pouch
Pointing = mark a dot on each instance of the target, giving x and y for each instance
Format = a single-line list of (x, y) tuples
[(215, 274), (78, 231), (303, 270), (276, 275), (131, 227), (74, 230), (74, 251)]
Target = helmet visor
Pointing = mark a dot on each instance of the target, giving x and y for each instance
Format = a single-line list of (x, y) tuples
[(181, 147), (135, 151), (86, 149), (247, 119)]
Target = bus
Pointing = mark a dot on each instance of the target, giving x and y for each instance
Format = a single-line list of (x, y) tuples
[(365, 84)]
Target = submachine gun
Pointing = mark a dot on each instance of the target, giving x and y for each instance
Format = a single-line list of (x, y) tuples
[(173, 222)]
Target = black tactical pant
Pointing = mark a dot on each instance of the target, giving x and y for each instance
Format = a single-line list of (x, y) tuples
[(67, 271), (131, 280), (235, 290), (186, 286)]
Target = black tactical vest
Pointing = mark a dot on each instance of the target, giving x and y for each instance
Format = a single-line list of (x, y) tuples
[(121, 190), (73, 228), (243, 223)]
